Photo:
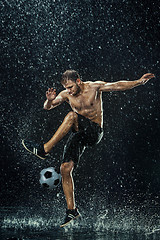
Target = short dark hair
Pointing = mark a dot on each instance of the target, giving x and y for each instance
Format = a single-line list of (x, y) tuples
[(70, 75)]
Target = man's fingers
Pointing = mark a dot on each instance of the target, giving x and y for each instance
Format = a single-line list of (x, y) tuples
[(48, 92), (148, 75), (152, 75), (51, 90)]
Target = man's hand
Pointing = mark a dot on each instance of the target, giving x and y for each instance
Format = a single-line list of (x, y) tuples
[(51, 94), (146, 77)]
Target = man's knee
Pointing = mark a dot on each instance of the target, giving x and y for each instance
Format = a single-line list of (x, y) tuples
[(71, 116), (67, 168)]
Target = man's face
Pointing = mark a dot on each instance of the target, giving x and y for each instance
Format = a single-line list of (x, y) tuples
[(72, 87)]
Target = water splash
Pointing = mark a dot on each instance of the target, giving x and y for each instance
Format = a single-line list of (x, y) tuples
[(109, 220)]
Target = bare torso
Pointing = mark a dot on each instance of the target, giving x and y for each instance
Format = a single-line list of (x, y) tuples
[(88, 102)]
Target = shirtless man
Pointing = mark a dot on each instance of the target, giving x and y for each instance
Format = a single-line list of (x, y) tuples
[(85, 120)]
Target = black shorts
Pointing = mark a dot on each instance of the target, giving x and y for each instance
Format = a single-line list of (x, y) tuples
[(89, 134)]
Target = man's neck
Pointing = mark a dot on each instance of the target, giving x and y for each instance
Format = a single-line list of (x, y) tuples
[(82, 87)]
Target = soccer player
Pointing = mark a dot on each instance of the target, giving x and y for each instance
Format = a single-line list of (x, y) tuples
[(85, 120)]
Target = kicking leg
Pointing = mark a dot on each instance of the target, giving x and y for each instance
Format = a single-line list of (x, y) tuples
[(40, 150), (70, 120)]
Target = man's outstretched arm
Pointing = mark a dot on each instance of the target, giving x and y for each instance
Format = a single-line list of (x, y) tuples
[(52, 100), (125, 85)]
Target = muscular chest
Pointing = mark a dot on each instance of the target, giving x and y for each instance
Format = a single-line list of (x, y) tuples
[(83, 101)]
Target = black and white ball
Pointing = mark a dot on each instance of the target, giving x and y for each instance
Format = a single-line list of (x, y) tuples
[(49, 178)]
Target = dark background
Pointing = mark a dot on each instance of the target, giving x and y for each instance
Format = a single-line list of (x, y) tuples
[(102, 40)]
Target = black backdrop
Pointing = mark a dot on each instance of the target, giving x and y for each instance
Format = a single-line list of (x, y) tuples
[(102, 40)]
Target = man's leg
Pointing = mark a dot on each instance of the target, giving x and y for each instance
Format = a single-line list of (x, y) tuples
[(68, 188), (67, 183), (42, 150), (70, 120)]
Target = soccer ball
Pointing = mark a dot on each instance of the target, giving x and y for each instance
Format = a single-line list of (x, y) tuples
[(49, 178)]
